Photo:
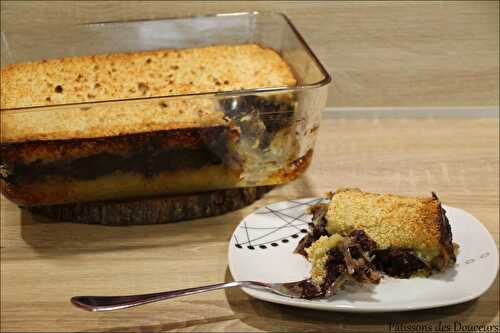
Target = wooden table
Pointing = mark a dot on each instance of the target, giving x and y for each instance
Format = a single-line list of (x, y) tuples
[(43, 264)]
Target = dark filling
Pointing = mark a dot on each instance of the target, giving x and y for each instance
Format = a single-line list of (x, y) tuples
[(365, 243), (399, 263), (445, 229), (147, 163), (335, 267), (316, 229), (304, 289), (350, 260), (448, 255)]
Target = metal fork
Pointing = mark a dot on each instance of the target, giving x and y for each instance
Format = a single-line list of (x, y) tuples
[(110, 303)]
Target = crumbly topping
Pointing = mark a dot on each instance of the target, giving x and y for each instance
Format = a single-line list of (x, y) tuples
[(317, 254), (390, 220), (128, 76)]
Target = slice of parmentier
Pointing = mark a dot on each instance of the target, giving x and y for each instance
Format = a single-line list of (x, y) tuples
[(393, 221)]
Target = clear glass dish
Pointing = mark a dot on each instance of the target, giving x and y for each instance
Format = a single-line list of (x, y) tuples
[(269, 137)]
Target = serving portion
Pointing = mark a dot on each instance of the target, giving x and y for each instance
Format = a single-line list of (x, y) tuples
[(262, 249), (358, 235)]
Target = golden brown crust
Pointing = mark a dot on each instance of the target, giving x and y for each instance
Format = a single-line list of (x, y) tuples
[(392, 221), (108, 120), (59, 190), (133, 75), (142, 74)]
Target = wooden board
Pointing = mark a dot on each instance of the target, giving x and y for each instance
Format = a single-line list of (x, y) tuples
[(153, 210), (380, 53), (44, 264)]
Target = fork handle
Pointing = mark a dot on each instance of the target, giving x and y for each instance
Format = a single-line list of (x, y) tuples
[(110, 303)]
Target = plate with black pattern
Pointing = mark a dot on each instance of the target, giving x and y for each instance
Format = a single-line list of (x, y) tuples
[(261, 249)]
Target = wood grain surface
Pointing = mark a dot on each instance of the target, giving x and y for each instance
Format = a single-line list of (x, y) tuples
[(380, 53), (43, 264)]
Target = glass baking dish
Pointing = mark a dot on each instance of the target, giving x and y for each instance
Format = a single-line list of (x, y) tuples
[(266, 137)]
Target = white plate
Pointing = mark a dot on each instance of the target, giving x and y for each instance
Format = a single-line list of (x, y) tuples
[(261, 249)]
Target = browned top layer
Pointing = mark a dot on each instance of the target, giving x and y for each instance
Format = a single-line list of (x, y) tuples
[(390, 220), (131, 75)]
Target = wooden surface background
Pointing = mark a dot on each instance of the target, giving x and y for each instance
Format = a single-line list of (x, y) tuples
[(405, 53), (396, 54), (43, 264)]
